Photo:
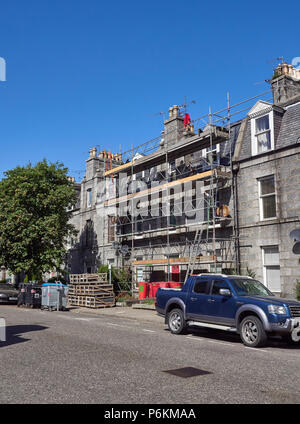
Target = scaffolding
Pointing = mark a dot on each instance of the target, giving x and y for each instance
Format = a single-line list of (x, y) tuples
[(161, 237)]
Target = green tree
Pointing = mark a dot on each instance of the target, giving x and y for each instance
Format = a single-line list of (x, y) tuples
[(34, 219)]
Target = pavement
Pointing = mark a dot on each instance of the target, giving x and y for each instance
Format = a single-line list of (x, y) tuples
[(141, 315), (124, 355)]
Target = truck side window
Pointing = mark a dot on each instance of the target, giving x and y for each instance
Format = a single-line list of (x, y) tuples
[(217, 285), (200, 287)]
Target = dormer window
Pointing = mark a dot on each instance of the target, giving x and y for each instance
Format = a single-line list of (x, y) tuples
[(262, 128), (263, 134)]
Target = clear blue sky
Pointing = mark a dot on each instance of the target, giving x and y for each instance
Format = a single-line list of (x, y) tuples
[(82, 73)]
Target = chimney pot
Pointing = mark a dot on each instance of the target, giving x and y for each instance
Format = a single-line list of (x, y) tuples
[(93, 152)]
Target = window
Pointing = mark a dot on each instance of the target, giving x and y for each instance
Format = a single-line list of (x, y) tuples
[(217, 285), (89, 197), (172, 171), (89, 233), (262, 134), (211, 156), (211, 153), (267, 198), (247, 286), (271, 268), (110, 229), (201, 287)]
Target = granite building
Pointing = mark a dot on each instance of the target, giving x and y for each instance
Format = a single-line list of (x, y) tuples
[(240, 180)]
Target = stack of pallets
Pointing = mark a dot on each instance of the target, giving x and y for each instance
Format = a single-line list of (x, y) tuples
[(90, 291)]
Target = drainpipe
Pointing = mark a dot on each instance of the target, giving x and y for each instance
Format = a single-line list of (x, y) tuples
[(235, 171)]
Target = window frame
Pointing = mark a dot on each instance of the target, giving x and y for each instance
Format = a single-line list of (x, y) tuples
[(89, 197), (255, 134), (208, 286), (263, 196), (219, 280), (267, 266), (111, 236)]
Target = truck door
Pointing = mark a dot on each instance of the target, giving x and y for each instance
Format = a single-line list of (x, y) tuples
[(222, 309), (197, 300)]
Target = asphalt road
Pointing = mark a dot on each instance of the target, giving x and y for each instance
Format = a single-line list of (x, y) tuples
[(63, 357)]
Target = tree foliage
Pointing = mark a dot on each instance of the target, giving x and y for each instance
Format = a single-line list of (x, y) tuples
[(34, 219)]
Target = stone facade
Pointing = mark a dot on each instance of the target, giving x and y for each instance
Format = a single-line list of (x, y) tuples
[(265, 246), (94, 243)]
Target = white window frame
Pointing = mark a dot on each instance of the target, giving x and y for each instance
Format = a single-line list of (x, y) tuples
[(265, 267), (206, 151), (262, 196), (254, 134), (89, 197)]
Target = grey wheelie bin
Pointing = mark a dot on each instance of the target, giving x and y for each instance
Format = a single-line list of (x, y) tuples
[(54, 296)]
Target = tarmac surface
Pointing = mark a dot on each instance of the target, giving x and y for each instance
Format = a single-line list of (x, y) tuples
[(121, 355)]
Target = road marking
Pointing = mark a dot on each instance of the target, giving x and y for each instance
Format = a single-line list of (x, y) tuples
[(150, 331), (209, 341), (256, 349), (222, 343), (117, 325), (194, 338), (121, 312), (85, 319)]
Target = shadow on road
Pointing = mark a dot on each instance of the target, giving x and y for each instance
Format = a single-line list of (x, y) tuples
[(219, 335), (14, 333)]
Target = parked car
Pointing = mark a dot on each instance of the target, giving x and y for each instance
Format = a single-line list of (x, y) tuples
[(231, 303), (8, 294)]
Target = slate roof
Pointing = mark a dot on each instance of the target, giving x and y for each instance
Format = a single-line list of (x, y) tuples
[(286, 129)]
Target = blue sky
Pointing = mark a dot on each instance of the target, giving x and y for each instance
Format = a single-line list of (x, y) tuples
[(82, 73)]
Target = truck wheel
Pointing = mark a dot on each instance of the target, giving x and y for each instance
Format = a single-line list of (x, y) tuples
[(252, 332), (176, 321)]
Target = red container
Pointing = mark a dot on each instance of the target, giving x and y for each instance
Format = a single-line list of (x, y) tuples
[(175, 285), (143, 290), (164, 284), (154, 288)]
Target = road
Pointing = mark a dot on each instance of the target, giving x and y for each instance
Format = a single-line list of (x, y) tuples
[(67, 357)]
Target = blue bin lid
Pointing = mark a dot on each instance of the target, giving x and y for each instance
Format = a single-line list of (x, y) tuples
[(54, 284)]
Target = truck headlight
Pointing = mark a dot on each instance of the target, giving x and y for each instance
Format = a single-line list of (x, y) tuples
[(275, 309)]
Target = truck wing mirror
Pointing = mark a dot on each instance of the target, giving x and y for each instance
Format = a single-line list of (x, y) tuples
[(225, 292)]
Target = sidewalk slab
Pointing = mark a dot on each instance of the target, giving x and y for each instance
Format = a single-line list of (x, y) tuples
[(143, 315)]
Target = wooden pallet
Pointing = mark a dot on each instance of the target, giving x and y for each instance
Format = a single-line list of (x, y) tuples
[(91, 290), (91, 301), (88, 278)]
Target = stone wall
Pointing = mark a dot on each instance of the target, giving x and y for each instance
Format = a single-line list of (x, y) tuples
[(256, 233)]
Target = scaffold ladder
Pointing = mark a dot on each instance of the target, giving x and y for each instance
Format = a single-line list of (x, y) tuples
[(195, 251)]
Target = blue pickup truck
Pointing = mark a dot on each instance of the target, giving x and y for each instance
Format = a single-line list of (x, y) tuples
[(232, 303)]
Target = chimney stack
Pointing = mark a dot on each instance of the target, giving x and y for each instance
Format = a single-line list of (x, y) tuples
[(285, 83), (174, 127)]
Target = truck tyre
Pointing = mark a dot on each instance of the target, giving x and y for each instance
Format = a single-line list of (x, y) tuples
[(176, 321), (252, 332)]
